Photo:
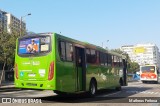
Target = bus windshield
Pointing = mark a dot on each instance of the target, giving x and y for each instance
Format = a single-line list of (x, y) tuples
[(34, 45), (148, 69)]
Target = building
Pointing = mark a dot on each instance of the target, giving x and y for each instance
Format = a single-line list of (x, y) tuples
[(3, 21), (10, 23), (15, 24), (143, 53)]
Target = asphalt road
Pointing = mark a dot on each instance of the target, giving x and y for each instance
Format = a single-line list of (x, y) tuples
[(135, 92)]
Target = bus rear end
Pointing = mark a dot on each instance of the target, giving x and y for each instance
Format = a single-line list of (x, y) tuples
[(35, 62), (148, 73)]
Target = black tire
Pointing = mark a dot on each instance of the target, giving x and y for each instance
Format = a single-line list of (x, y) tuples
[(60, 93), (121, 82), (155, 82), (118, 88), (92, 88)]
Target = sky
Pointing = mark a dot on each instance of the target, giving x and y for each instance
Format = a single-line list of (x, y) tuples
[(112, 22)]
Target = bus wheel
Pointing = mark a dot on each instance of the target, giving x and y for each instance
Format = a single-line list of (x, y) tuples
[(143, 81), (60, 93), (121, 82), (92, 88), (118, 88), (155, 82)]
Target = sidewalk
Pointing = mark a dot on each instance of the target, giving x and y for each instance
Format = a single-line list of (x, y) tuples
[(7, 86)]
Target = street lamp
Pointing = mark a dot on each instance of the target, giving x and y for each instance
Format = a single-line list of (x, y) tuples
[(21, 22), (106, 42)]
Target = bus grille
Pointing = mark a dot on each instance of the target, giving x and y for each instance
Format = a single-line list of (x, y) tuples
[(31, 84)]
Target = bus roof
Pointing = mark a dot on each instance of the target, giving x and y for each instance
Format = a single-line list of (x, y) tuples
[(86, 44), (92, 46), (148, 65)]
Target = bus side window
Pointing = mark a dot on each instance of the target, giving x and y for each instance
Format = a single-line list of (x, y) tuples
[(116, 61), (62, 52), (88, 55), (91, 56), (97, 59), (109, 60), (105, 59), (101, 58), (113, 61), (69, 51)]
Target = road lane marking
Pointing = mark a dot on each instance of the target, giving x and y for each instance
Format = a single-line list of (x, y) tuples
[(156, 92), (109, 94), (144, 92), (27, 94)]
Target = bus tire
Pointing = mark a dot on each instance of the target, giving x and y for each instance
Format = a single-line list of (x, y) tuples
[(92, 88), (121, 81), (155, 82), (143, 81), (59, 93), (118, 88)]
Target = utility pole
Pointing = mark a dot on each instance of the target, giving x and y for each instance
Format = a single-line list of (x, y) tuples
[(21, 21)]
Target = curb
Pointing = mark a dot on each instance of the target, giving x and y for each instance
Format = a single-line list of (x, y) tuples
[(134, 81), (6, 89)]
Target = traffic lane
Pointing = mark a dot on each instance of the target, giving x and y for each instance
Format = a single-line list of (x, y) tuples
[(50, 96), (134, 88), (110, 95), (27, 93), (103, 96), (154, 90), (75, 98)]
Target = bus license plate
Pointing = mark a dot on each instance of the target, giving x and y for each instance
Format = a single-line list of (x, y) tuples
[(32, 75)]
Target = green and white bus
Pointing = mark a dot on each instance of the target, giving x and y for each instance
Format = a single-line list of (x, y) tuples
[(55, 62)]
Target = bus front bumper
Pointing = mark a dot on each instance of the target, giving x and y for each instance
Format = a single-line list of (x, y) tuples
[(47, 85), (145, 79)]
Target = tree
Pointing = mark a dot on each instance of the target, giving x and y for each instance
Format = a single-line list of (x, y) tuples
[(7, 47), (117, 51), (133, 67)]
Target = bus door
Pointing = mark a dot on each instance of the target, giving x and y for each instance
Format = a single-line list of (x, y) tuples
[(124, 80), (80, 69)]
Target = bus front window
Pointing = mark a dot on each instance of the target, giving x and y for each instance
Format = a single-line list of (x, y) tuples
[(148, 69), (34, 45)]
